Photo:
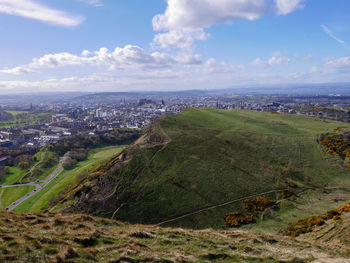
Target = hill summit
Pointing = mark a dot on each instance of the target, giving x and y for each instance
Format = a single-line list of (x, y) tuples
[(195, 168)]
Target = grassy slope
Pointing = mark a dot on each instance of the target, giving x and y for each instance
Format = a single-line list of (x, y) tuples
[(41, 199), (13, 176), (9, 195), (47, 163), (81, 238), (194, 171)]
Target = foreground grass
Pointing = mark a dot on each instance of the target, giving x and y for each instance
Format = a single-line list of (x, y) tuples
[(81, 238), (9, 195), (67, 177)]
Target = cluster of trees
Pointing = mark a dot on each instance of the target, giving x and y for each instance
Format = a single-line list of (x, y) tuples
[(5, 116), (75, 148), (4, 170), (72, 157), (86, 141), (23, 161)]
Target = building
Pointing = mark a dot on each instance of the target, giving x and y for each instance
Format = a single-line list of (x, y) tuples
[(99, 113)]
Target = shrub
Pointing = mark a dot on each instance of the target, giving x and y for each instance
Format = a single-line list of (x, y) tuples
[(257, 204), (236, 219), (306, 225), (285, 194), (69, 163)]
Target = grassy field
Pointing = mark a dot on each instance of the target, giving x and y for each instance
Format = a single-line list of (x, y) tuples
[(9, 195), (217, 156), (29, 119), (41, 199), (15, 113), (14, 175)]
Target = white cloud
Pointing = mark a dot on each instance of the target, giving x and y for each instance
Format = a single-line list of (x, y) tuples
[(96, 3), (307, 57), (127, 58), (258, 62), (182, 39), (156, 80), (284, 7), (85, 53), (333, 69), (212, 67), (337, 65), (273, 61), (33, 10), (207, 75), (164, 74), (184, 20), (330, 33), (18, 71), (204, 13)]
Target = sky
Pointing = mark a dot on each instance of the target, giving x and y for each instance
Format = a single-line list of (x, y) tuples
[(160, 45)]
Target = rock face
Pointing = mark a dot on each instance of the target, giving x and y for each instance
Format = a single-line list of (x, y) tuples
[(82, 238)]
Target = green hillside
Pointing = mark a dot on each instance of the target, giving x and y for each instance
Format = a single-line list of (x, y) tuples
[(67, 178), (191, 164), (10, 195)]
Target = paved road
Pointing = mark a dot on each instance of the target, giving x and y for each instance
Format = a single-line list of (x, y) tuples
[(37, 187)]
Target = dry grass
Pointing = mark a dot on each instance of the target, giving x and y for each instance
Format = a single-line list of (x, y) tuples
[(82, 238)]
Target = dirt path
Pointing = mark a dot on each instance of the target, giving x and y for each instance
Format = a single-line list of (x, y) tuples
[(194, 212)]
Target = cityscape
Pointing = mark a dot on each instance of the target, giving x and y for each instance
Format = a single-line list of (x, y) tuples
[(90, 115)]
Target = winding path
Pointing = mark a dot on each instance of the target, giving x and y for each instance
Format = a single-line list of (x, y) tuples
[(37, 186)]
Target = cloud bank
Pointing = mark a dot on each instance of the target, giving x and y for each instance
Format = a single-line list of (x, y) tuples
[(184, 20), (33, 10), (126, 58)]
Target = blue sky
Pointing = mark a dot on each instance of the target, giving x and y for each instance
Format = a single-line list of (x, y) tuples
[(118, 45)]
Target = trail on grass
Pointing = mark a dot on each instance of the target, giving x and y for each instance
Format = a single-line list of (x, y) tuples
[(197, 211)]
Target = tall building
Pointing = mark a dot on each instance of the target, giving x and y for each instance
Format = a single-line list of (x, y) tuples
[(99, 113)]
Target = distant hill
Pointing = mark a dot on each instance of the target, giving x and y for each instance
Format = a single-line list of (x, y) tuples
[(82, 238), (193, 168)]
